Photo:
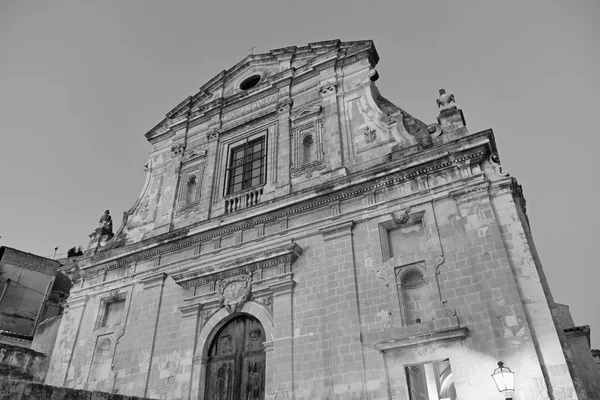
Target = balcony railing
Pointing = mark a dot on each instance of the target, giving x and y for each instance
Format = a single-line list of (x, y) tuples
[(243, 200)]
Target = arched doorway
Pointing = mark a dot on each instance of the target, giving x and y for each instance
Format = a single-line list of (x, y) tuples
[(236, 361)]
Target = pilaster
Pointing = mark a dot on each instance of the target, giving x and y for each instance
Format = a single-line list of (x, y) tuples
[(343, 317)]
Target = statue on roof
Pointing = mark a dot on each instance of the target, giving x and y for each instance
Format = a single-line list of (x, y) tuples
[(106, 223)]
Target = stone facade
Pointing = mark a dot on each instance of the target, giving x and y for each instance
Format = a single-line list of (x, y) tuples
[(376, 255)]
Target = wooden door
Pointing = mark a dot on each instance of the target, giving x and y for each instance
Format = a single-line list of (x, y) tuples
[(236, 361)]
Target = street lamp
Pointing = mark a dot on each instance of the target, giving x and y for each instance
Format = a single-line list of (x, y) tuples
[(504, 379)]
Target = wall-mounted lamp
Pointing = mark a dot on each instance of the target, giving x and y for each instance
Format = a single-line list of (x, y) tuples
[(504, 379)]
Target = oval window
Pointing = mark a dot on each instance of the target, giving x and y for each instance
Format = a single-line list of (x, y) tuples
[(250, 82)]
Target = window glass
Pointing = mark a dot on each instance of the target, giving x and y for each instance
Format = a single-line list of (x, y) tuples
[(247, 166)]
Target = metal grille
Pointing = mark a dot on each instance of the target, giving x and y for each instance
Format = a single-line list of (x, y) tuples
[(247, 166)]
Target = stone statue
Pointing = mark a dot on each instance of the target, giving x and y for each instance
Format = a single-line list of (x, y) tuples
[(106, 222), (445, 101)]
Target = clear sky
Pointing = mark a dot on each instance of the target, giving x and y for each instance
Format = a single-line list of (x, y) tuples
[(81, 82)]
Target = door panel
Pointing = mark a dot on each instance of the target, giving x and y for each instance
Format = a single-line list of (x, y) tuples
[(253, 377), (220, 385), (236, 364)]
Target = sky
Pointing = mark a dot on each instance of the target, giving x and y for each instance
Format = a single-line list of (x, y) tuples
[(81, 82)]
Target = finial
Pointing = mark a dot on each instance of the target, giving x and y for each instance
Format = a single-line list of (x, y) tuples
[(445, 101)]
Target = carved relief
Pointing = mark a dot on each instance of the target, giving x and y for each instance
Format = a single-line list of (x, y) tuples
[(328, 89), (177, 149), (234, 292), (370, 134)]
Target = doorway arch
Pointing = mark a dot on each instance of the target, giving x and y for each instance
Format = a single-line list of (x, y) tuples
[(236, 361)]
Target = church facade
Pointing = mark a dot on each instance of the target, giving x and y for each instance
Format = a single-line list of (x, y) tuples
[(299, 236)]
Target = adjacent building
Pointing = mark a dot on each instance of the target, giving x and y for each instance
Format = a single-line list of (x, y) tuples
[(300, 236)]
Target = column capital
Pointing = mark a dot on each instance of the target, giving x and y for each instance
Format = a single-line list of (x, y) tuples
[(153, 281)]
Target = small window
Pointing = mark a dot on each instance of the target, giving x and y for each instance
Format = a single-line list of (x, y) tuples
[(190, 193), (431, 381), (247, 166), (113, 313), (250, 82)]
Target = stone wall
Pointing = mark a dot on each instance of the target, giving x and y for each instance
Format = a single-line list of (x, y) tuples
[(22, 390), (387, 252)]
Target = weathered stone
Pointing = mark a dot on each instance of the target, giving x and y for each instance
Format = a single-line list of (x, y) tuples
[(358, 255)]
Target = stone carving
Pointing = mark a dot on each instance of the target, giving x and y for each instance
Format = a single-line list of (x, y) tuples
[(388, 319), (207, 314), (494, 161), (401, 217), (370, 134), (105, 223), (412, 125), (445, 101), (212, 134), (266, 301), (144, 211), (234, 292), (327, 89), (177, 149), (284, 106)]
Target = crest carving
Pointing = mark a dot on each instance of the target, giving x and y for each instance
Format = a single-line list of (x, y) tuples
[(234, 292)]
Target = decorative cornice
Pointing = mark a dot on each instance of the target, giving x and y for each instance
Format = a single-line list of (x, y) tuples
[(449, 334), (173, 241), (269, 258), (472, 192)]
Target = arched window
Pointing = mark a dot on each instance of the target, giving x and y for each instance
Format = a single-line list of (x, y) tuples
[(190, 193), (307, 149), (236, 361)]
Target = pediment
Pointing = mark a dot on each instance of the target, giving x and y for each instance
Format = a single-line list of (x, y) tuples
[(275, 66), (194, 155), (305, 112)]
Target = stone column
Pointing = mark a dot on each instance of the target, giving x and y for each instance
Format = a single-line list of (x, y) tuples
[(343, 326)]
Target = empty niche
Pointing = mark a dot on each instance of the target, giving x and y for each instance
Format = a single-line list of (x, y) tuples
[(413, 294), (102, 359)]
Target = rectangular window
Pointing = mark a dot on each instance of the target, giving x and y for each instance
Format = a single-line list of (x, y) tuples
[(113, 313), (431, 381), (247, 165)]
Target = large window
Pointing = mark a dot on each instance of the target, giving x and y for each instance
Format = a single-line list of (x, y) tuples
[(247, 166)]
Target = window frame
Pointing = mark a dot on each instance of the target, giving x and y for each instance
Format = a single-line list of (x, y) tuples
[(247, 167)]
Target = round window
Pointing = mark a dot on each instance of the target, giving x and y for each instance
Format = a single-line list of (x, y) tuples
[(250, 82)]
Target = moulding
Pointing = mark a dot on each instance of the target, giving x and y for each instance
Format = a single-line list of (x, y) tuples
[(338, 230), (424, 338), (153, 281), (268, 258)]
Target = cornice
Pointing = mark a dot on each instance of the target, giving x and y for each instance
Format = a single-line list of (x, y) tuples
[(195, 276), (357, 184), (442, 335)]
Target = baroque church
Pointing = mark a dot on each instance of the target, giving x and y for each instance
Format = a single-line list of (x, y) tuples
[(300, 236)]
